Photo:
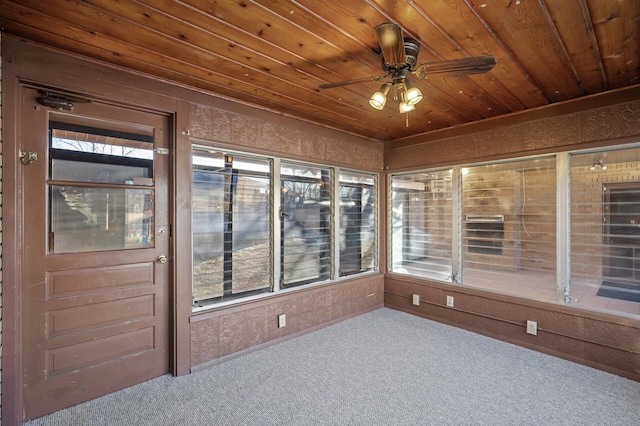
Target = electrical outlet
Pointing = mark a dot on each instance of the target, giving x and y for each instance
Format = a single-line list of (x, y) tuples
[(450, 301), (282, 320), (416, 299), (532, 327)]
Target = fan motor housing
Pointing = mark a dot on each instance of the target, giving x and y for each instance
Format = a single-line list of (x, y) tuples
[(411, 50)]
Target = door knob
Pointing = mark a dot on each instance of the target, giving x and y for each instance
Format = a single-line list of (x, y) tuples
[(161, 259)]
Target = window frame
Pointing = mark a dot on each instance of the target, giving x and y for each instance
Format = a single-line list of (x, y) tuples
[(452, 273), (376, 202), (577, 277), (326, 261), (230, 182), (513, 165), (563, 223), (276, 228)]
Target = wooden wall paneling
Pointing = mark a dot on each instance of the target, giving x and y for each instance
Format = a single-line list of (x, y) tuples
[(606, 342), (266, 136), (609, 119), (617, 361), (247, 128), (221, 333), (611, 122), (11, 213), (548, 133), (602, 341)]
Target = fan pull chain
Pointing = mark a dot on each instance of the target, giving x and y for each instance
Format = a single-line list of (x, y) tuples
[(407, 119)]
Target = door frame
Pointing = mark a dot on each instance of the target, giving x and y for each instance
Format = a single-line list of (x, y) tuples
[(21, 65)]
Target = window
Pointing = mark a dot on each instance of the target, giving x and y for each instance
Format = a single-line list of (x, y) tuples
[(605, 229), (509, 227), (306, 210), (421, 224), (262, 225), (101, 194), (357, 222), (232, 249), (561, 229)]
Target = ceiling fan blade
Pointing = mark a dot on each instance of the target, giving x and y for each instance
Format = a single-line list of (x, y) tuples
[(391, 44), (348, 82), (464, 66)]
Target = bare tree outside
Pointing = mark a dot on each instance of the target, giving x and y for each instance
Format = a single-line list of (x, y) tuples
[(110, 146)]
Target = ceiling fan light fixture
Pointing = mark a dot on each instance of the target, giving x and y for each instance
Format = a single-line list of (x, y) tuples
[(379, 98), (405, 107), (400, 58), (412, 94)]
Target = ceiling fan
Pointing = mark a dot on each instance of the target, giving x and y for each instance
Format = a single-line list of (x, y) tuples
[(399, 59)]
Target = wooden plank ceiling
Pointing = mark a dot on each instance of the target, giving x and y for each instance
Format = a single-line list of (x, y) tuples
[(275, 53)]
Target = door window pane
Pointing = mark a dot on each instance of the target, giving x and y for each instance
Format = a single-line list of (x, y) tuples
[(85, 218), (78, 171), (91, 204), (87, 154)]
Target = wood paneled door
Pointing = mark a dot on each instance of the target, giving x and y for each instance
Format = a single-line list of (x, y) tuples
[(94, 281)]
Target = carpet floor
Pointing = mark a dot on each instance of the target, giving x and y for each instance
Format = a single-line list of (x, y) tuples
[(381, 368)]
